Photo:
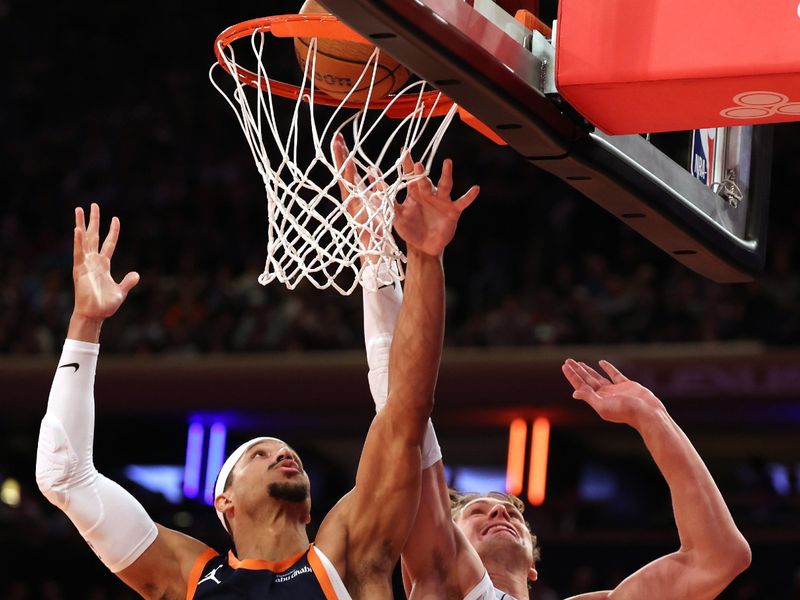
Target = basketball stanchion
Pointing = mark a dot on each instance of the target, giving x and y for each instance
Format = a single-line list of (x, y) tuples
[(311, 233)]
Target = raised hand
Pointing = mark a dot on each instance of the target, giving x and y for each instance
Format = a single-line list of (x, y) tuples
[(615, 398), (360, 200), (97, 295), (427, 219)]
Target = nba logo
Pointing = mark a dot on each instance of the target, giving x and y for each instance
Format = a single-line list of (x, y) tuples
[(703, 148)]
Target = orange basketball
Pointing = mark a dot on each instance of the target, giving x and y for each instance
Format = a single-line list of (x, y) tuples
[(340, 64)]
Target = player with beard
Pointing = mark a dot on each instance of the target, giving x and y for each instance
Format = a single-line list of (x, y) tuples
[(263, 492), (482, 548)]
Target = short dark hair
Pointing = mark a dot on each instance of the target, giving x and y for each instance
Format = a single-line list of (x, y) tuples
[(459, 500)]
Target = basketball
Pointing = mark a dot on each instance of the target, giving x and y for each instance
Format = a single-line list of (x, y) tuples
[(340, 63)]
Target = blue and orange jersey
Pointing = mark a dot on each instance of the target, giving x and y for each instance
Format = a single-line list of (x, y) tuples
[(308, 575)]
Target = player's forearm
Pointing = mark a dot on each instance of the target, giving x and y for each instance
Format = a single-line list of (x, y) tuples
[(704, 522), (84, 329), (381, 308), (417, 345), (71, 399), (108, 517)]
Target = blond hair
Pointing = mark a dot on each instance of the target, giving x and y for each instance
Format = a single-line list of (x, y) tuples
[(459, 500)]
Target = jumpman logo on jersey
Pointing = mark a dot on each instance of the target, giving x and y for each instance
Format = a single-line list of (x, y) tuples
[(211, 576)]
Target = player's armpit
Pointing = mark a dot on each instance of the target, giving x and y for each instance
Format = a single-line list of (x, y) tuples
[(162, 571), (364, 533)]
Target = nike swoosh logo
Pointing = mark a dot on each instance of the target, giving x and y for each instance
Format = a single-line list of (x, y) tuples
[(76, 366)]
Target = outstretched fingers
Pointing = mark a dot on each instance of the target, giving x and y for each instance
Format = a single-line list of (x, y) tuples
[(414, 173), (110, 242), (572, 376), (343, 163), (582, 389), (597, 380), (612, 371), (407, 163), (80, 219), (422, 184), (129, 282), (79, 238), (93, 230), (77, 247), (445, 185), (463, 203), (584, 373), (445, 188)]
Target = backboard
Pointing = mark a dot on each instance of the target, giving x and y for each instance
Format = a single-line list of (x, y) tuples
[(504, 74)]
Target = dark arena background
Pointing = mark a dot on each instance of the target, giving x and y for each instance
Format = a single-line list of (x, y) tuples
[(110, 103)]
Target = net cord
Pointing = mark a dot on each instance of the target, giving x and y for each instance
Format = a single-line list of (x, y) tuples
[(311, 234)]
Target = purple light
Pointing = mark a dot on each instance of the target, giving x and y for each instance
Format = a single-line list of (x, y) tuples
[(216, 456), (194, 458)]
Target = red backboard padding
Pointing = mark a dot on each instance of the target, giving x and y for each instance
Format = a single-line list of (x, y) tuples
[(635, 66)]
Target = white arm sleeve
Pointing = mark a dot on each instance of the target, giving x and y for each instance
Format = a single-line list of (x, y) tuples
[(381, 308), (111, 521)]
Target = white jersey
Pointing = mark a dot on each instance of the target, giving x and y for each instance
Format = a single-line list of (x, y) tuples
[(485, 590)]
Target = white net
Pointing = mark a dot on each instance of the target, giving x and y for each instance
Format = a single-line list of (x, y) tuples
[(321, 226)]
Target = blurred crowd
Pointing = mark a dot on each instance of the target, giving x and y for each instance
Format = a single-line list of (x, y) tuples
[(533, 263), (123, 115)]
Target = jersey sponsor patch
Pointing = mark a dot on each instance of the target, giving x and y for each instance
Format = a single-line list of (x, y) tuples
[(292, 574)]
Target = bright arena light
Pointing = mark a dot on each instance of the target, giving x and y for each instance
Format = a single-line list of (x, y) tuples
[(10, 492)]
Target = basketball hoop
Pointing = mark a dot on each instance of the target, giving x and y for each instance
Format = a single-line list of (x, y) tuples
[(313, 232)]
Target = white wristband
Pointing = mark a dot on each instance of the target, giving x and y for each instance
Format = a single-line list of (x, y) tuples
[(431, 452)]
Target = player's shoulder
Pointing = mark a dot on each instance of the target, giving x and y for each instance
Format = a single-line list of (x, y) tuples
[(483, 590), (333, 534), (358, 557), (167, 566)]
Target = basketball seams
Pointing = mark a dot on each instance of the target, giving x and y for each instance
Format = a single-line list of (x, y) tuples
[(343, 59), (394, 78), (383, 75)]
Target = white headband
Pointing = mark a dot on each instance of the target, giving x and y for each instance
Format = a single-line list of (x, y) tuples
[(227, 467)]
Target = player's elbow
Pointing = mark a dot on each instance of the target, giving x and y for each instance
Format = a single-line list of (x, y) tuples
[(739, 556), (727, 562), (52, 460), (734, 558), (46, 482), (58, 467)]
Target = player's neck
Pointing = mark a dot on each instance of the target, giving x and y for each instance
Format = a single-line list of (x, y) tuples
[(507, 580), (270, 537)]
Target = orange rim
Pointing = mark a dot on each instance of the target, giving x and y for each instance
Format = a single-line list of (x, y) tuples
[(326, 26)]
